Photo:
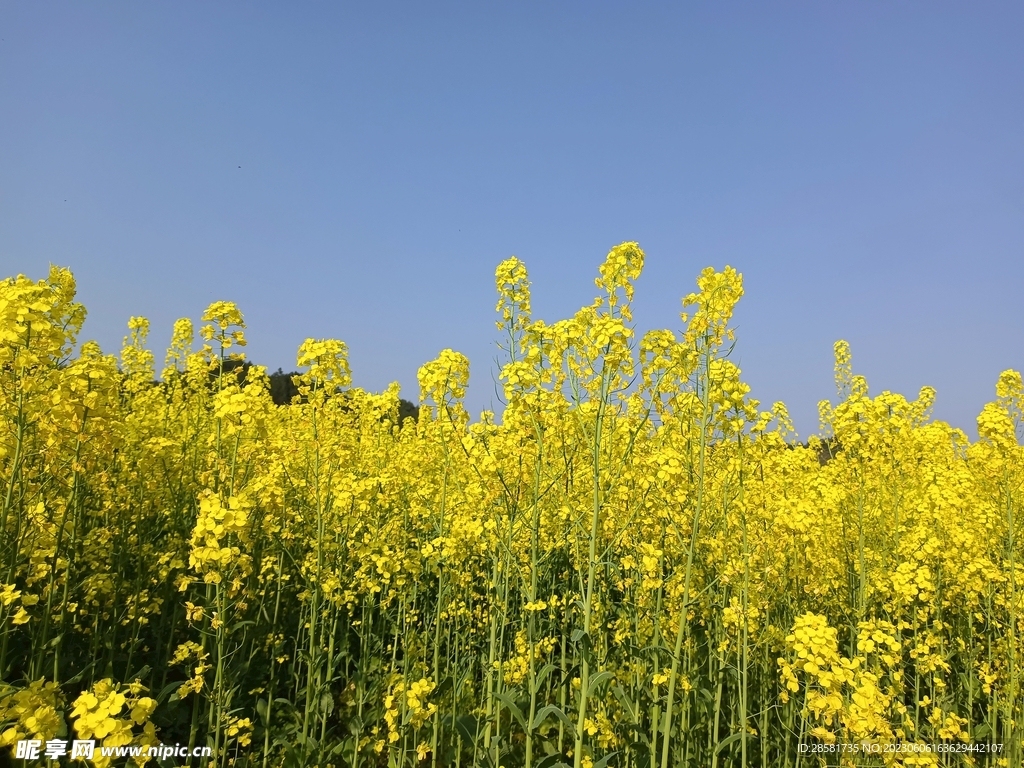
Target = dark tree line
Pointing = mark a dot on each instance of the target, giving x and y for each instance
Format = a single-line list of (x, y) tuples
[(283, 389)]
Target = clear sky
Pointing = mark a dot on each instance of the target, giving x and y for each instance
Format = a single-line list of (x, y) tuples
[(357, 170)]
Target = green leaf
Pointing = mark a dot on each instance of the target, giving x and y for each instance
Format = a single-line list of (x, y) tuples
[(468, 727), (139, 674), (731, 740), (623, 698), (551, 709), (604, 760), (85, 669), (326, 703), (546, 670), (356, 725), (554, 761), (517, 713), (642, 750), (599, 679), (168, 690), (470, 731)]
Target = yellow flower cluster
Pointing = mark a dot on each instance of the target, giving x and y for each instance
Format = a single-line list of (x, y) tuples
[(238, 729), (9, 608), (109, 713), (408, 705), (33, 712), (224, 325), (216, 524), (631, 564)]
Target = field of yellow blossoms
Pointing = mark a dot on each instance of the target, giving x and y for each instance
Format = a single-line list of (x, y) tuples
[(633, 565)]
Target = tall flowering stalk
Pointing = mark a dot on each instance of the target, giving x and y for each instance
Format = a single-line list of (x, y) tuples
[(629, 565)]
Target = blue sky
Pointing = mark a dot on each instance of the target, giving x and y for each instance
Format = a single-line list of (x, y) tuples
[(357, 171)]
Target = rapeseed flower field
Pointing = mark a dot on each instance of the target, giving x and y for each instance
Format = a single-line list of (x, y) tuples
[(635, 565)]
